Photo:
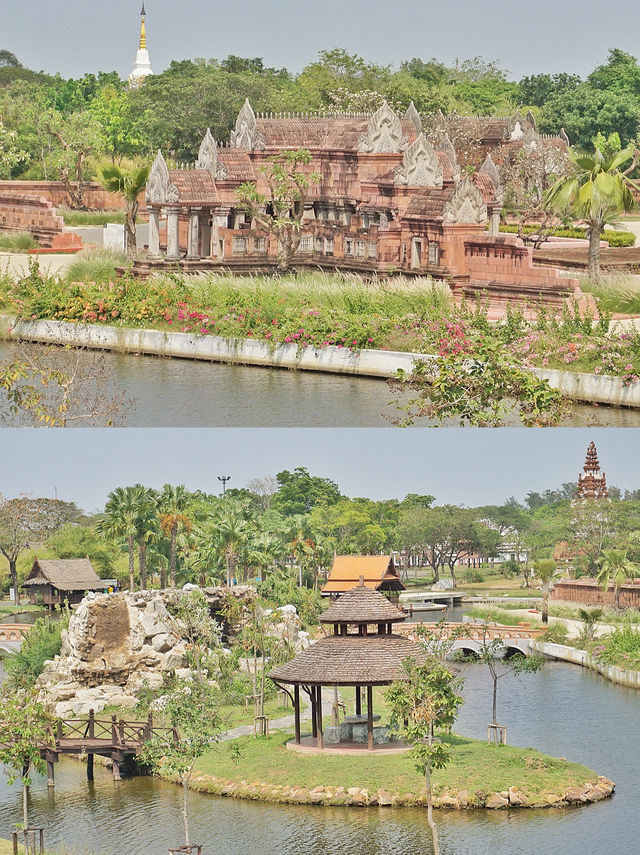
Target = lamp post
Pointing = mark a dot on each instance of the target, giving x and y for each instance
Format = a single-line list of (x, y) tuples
[(224, 479)]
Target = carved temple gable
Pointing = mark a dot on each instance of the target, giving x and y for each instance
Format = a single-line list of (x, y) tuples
[(245, 133), (489, 168), (414, 116), (446, 147), (160, 190), (466, 205), (208, 158), (384, 134), (420, 165)]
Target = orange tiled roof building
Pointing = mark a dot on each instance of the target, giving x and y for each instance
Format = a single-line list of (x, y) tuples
[(388, 200), (376, 572)]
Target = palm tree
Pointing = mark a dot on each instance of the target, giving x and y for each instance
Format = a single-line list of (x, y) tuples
[(146, 523), (128, 183), (232, 531), (545, 570), (119, 521), (589, 618), (172, 504), (615, 569), (596, 192)]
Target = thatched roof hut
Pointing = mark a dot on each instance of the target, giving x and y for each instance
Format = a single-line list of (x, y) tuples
[(58, 579), (362, 651)]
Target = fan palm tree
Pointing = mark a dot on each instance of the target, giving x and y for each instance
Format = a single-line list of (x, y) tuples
[(596, 192), (615, 569), (589, 618), (172, 504), (545, 570), (119, 521), (232, 531), (146, 523), (128, 183)]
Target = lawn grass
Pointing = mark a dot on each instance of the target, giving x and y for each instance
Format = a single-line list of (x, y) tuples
[(496, 615), (475, 766)]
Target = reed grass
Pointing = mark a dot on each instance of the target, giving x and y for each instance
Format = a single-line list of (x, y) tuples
[(95, 265), (17, 242), (617, 293), (89, 218)]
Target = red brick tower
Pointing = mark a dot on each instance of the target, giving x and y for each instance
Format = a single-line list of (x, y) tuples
[(592, 484)]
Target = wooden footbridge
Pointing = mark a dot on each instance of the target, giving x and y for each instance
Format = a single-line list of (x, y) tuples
[(472, 637), (112, 738)]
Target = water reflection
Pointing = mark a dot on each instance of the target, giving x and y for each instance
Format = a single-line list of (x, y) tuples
[(179, 393)]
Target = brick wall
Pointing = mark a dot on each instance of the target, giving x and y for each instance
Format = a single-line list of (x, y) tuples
[(96, 198), (589, 593)]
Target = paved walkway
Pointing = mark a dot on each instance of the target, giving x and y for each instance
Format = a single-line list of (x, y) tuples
[(285, 722), (17, 263)]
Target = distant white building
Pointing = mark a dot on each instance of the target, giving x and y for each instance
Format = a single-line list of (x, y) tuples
[(142, 65)]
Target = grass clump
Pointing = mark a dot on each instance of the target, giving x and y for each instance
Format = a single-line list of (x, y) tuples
[(616, 293), (17, 242), (499, 616), (89, 218), (95, 265), (475, 766)]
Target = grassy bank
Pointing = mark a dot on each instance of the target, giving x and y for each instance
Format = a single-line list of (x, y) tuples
[(476, 767), (321, 309)]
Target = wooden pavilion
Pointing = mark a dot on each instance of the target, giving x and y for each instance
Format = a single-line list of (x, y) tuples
[(377, 572), (362, 651), (52, 581)]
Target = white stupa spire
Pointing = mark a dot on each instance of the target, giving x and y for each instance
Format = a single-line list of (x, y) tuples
[(142, 65)]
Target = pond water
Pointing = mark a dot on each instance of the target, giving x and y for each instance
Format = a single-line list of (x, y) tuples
[(188, 393), (564, 710)]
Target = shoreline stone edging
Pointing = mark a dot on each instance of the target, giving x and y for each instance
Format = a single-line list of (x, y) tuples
[(383, 364), (449, 799), (620, 676)]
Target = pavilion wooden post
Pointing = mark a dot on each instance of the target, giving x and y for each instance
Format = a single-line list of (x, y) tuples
[(358, 701), (370, 717), (320, 741), (296, 711), (314, 717)]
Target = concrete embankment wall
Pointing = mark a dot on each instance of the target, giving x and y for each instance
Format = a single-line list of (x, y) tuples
[(581, 657), (366, 363)]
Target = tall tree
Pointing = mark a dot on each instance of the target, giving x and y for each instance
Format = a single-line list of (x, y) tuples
[(615, 569), (119, 521), (172, 506)]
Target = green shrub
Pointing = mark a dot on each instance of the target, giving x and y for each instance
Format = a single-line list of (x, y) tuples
[(473, 576), (614, 238), (43, 642), (621, 648), (556, 633)]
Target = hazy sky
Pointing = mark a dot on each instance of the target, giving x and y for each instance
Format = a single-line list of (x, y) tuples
[(76, 36), (460, 466)]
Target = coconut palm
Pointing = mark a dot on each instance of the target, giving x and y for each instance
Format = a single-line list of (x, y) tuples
[(172, 504), (545, 570), (128, 183), (615, 569), (596, 192), (119, 521)]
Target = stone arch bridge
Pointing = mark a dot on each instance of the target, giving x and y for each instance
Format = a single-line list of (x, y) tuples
[(472, 637), (12, 635)]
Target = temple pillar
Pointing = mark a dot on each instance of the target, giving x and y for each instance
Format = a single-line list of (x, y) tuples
[(494, 220), (173, 245), (193, 242), (296, 711), (154, 233), (370, 718)]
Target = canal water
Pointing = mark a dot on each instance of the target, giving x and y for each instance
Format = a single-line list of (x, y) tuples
[(184, 393), (564, 710)]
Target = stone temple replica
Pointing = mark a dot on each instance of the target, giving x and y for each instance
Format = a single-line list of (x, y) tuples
[(388, 200)]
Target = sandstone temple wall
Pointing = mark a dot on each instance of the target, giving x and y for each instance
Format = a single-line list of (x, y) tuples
[(587, 592)]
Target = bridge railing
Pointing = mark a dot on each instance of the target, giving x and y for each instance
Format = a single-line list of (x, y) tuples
[(118, 733)]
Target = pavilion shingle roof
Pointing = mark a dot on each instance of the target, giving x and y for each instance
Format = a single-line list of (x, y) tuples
[(65, 574), (348, 660), (360, 605), (195, 186)]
